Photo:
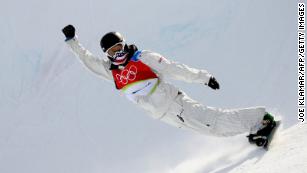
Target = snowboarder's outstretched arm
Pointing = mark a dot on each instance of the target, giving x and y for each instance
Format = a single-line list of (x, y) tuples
[(179, 71), (94, 64)]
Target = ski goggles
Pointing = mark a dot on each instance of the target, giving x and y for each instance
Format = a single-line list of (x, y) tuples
[(117, 50)]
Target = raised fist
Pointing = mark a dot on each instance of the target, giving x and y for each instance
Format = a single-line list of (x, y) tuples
[(69, 31)]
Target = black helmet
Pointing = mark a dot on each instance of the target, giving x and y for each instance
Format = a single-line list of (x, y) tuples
[(110, 39)]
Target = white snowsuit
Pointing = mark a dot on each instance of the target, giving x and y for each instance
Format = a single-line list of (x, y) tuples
[(170, 105)]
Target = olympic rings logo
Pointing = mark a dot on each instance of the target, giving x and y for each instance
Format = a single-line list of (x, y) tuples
[(127, 75)]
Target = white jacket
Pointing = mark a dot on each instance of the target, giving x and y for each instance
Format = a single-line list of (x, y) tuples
[(174, 107), (158, 102)]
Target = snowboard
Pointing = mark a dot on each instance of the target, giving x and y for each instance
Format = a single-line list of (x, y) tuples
[(271, 136)]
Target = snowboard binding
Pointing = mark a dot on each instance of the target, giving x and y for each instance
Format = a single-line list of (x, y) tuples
[(257, 139)]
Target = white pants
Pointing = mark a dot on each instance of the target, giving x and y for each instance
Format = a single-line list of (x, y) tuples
[(181, 111), (189, 114)]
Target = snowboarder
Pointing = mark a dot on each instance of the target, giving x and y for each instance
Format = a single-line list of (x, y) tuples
[(140, 75)]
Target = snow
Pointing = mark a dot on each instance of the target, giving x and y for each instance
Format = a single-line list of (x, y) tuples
[(55, 116), (288, 153)]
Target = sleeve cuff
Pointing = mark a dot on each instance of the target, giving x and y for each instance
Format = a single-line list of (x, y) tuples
[(68, 39)]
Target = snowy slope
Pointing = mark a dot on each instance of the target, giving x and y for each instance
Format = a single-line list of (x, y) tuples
[(287, 154), (55, 116)]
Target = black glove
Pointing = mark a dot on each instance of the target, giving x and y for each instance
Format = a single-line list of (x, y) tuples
[(69, 32), (213, 83)]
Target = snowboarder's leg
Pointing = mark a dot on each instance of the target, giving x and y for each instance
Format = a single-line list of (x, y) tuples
[(214, 121)]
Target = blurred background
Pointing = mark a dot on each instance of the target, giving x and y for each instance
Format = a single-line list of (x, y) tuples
[(56, 116)]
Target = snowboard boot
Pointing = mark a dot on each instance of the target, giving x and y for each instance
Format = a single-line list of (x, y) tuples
[(261, 137)]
